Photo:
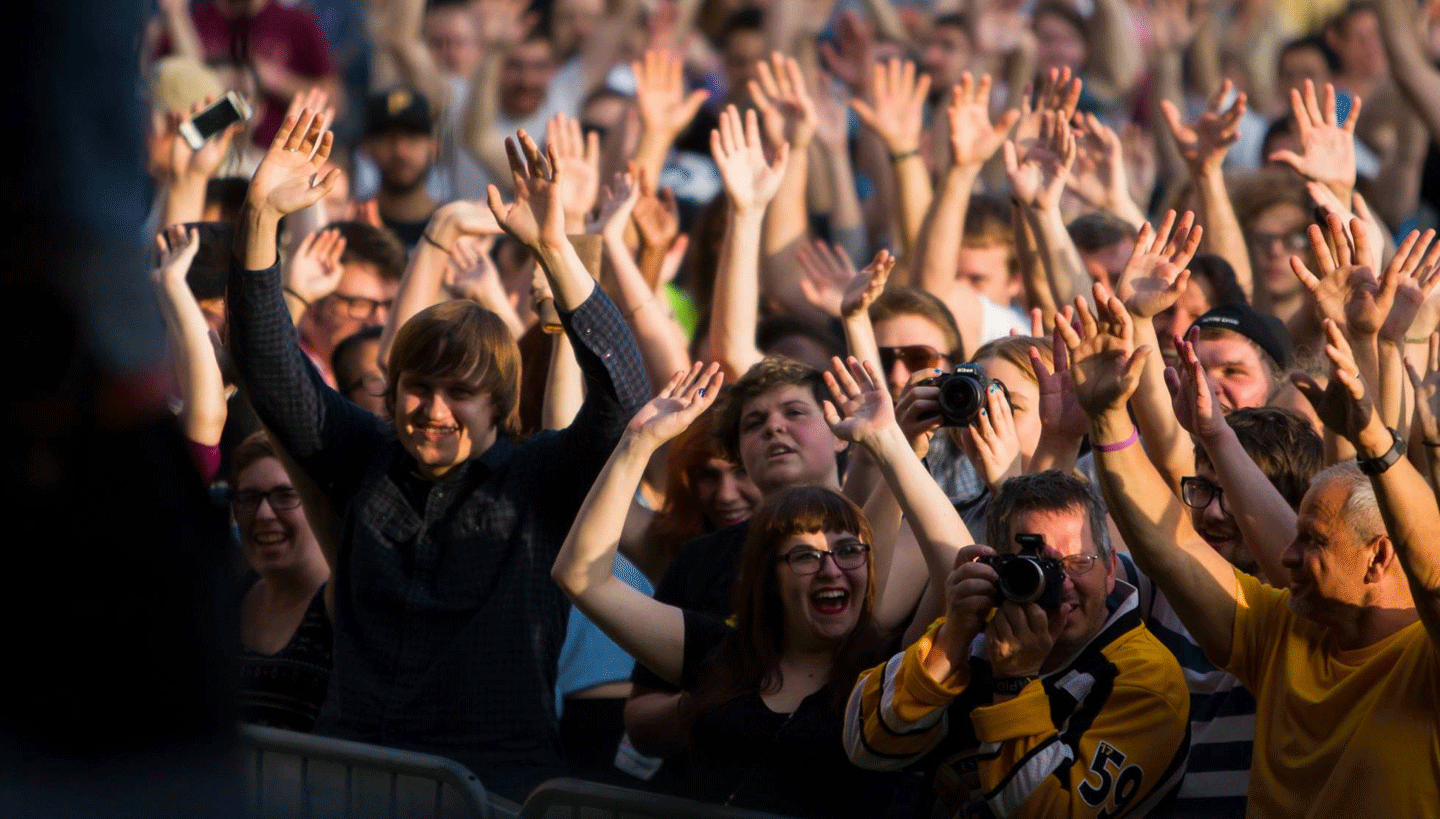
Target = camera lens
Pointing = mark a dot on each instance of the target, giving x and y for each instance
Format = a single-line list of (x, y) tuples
[(961, 398), (1021, 580)]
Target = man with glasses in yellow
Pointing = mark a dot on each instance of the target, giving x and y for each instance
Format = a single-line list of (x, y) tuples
[(1070, 708)]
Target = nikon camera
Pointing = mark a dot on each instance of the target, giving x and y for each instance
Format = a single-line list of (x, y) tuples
[(962, 394), (1028, 577)]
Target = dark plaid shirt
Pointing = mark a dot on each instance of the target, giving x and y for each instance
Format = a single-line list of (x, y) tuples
[(447, 624)]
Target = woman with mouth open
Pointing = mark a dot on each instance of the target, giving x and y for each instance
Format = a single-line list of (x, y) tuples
[(764, 692)]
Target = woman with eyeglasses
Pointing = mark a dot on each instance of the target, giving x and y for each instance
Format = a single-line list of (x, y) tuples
[(285, 601), (765, 691)]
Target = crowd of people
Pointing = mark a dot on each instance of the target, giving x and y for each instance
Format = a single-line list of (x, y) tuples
[(880, 408)]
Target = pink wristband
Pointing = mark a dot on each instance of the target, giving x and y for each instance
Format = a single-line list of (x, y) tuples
[(1119, 445)]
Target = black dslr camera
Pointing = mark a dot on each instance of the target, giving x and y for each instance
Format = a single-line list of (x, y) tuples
[(1028, 577), (962, 394)]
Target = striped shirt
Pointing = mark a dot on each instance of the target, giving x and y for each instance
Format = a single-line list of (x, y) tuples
[(1222, 712)]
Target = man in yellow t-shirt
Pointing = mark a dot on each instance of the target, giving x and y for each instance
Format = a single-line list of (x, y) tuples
[(1344, 662)]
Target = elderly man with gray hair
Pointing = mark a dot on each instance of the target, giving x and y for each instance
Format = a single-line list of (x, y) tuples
[(1343, 662)]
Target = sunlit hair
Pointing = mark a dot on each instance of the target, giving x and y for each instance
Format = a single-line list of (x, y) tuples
[(1282, 443), (682, 517), (1016, 350), (1052, 491), (459, 340), (1361, 509), (749, 659), (912, 301)]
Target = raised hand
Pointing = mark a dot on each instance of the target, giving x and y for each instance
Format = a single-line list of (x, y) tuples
[(202, 164), (656, 215), (503, 22), (537, 217), (852, 60), (864, 401), (1105, 364), (1327, 202), (973, 137), (313, 271), (617, 201), (577, 161), (896, 112), (1327, 148), (1197, 407), (290, 177), (461, 218), (665, 108), (1037, 178), (677, 405), (832, 284), (1203, 143), (1345, 292), (783, 100), (1059, 94), (1344, 404), (991, 441), (1099, 175), (472, 274), (832, 113), (1427, 394), (1155, 276), (750, 181), (1060, 414), (367, 212), (1415, 267), (177, 247)]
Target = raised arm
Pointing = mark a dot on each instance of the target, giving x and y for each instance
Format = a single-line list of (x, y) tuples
[(661, 341), (1203, 144), (1114, 47), (331, 437), (401, 38), (312, 271), (1412, 520), (473, 275), (974, 139), (564, 383), (1327, 149), (1411, 69), (665, 108), (191, 170), (896, 115), (202, 388), (1037, 180), (750, 183), (1099, 175), (1263, 516), (650, 631), (421, 285), (1106, 369), (832, 136), (1151, 283)]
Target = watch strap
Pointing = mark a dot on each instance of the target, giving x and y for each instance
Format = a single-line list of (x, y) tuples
[(1378, 465)]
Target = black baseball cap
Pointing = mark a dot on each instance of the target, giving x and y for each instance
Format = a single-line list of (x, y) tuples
[(399, 109), (1268, 332)]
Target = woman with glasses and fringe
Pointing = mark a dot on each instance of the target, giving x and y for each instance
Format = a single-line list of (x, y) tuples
[(764, 691), (285, 599)]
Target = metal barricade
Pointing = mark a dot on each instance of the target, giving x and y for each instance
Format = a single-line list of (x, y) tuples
[(578, 799), (303, 776)]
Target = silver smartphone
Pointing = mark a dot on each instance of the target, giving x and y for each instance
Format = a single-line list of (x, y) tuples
[(212, 121)]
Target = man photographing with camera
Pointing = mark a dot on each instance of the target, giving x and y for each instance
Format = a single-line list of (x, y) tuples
[(1065, 705)]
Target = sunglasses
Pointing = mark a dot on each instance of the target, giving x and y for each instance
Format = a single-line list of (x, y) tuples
[(915, 357)]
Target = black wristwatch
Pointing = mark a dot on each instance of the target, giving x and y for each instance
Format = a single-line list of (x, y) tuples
[(1377, 466), (1009, 685)]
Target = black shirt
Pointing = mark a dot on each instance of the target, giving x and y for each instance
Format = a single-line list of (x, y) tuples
[(447, 625), (746, 755)]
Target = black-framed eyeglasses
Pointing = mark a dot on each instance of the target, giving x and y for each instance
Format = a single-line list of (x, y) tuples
[(360, 307), (808, 561), (1197, 493), (1293, 241), (915, 357), (280, 497)]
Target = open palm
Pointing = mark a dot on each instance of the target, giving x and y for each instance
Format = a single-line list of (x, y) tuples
[(289, 177), (865, 406), (537, 216), (1155, 276), (750, 181), (1104, 364), (973, 137), (678, 404)]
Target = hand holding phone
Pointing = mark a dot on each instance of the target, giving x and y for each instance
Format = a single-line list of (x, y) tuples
[(214, 119)]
